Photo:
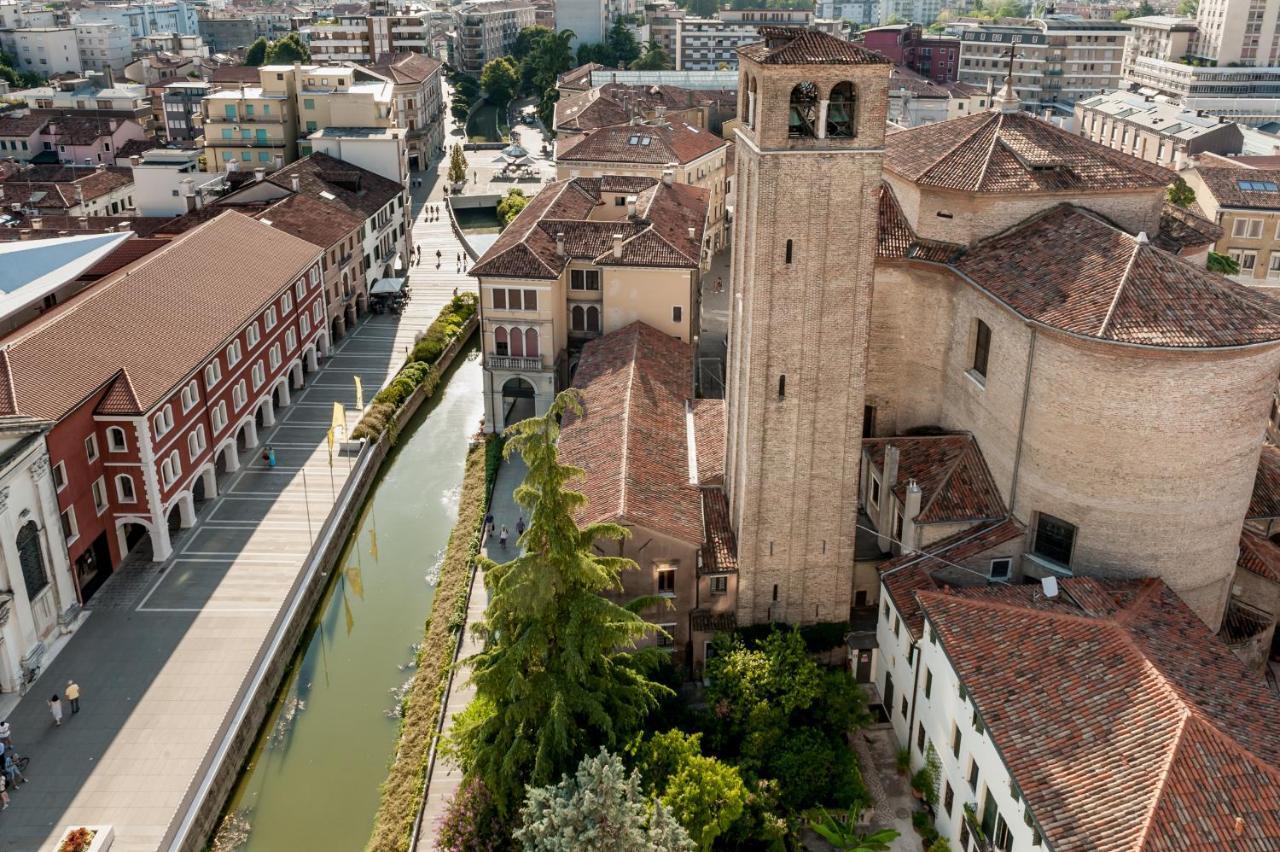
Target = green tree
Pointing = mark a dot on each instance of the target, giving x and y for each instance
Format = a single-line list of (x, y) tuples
[(1188, 8), (1223, 264), (547, 107), (257, 52), (622, 44), (288, 50), (1180, 194), (1122, 15), (559, 666), (500, 78), (706, 795), (457, 165), (526, 40), (1145, 9), (843, 833), (550, 57), (601, 53), (654, 58), (511, 205), (599, 809), (703, 8)]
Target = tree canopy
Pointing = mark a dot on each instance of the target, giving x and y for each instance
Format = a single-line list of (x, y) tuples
[(500, 79), (654, 58), (706, 795), (257, 52), (559, 676), (1180, 194), (457, 165), (511, 205), (287, 50)]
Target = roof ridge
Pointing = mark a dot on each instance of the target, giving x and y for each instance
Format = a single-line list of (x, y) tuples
[(1124, 279), (626, 424), (995, 140), (945, 154)]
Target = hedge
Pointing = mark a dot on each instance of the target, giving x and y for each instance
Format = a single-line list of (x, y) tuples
[(419, 368), (402, 791)]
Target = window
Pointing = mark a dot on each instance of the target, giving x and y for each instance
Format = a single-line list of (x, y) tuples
[(239, 395), (584, 279), (117, 442), (233, 354), (719, 585), (1273, 268), (948, 797), (841, 106), (513, 300), (286, 303), (499, 298), (789, 248), (124, 489), (259, 375), (802, 117), (59, 475), (1055, 539), (782, 386), (977, 723), (1000, 569), (91, 448), (304, 322), (981, 348), (1247, 259), (920, 738), (1250, 229), (100, 495), (667, 580), (317, 312), (897, 626), (666, 635), (195, 443), (1258, 186), (70, 531), (269, 321), (955, 740), (677, 313), (903, 707), (170, 469), (163, 421), (275, 356), (531, 343), (500, 343), (251, 334), (290, 340), (308, 103), (530, 300), (928, 682), (190, 393), (973, 774), (875, 501)]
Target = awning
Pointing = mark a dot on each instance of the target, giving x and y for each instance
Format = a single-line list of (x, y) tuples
[(387, 286)]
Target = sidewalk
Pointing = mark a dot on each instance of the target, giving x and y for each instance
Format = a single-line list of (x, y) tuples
[(446, 778)]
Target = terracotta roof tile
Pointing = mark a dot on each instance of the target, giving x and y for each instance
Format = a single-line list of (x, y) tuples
[(360, 190), (62, 187), (312, 219), (1129, 729), (954, 481), (1225, 185), (1265, 502), (797, 46), (709, 427), (406, 67), (80, 129), (1182, 229), (22, 125), (720, 550), (897, 241), (1012, 152), (631, 439), (183, 325), (642, 143), (1070, 270), (1259, 556)]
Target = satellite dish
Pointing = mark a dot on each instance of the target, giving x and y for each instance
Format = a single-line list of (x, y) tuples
[(1050, 586)]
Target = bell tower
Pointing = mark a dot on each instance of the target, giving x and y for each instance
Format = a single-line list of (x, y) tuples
[(812, 111)]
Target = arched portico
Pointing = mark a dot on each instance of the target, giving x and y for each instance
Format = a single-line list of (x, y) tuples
[(297, 374), (310, 362), (280, 393), (322, 343), (138, 536), (247, 434), (226, 458), (265, 413), (181, 513), (204, 485)]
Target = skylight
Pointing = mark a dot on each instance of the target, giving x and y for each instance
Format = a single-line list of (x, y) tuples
[(639, 140), (1258, 185)]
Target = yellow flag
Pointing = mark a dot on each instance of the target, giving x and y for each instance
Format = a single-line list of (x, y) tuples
[(356, 580), (373, 543), (359, 395), (339, 417)]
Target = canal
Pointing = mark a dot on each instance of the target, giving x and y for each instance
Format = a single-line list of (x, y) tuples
[(312, 778)]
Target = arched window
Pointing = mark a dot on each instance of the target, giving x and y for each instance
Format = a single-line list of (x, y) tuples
[(802, 117), (788, 260), (593, 318), (124, 489), (841, 111), (517, 343), (578, 321), (31, 559), (531, 343), (500, 341), (117, 442)]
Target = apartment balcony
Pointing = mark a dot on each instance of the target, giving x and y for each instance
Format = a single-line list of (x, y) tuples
[(1053, 72), (215, 120), (512, 362), (244, 143)]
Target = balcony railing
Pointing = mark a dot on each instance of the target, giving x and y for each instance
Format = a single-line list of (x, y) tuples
[(511, 362)]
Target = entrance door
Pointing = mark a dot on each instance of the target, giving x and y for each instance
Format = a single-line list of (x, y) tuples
[(93, 567), (888, 694), (862, 667)]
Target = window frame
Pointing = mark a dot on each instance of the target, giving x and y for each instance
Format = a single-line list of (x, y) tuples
[(661, 573), (1045, 517), (132, 496), (101, 502), (980, 362), (1008, 569), (70, 527), (91, 448), (123, 446)]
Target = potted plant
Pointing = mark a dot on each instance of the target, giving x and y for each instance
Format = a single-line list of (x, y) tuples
[(86, 838), (924, 784), (457, 170)]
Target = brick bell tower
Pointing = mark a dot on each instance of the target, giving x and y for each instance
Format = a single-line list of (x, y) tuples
[(812, 111)]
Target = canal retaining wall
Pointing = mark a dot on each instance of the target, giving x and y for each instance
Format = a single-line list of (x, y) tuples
[(197, 819)]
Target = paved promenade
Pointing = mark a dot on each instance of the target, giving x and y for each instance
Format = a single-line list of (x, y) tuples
[(167, 646), (446, 778)]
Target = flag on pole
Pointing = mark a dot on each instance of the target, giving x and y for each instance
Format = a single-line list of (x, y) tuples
[(359, 395)]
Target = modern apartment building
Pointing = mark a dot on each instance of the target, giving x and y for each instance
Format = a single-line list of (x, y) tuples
[(103, 46), (365, 38), (588, 19), (417, 101), (1056, 60), (1238, 32), (915, 11), (710, 44), (144, 18), (936, 57), (1165, 37), (43, 50), (1151, 130), (180, 103), (487, 29)]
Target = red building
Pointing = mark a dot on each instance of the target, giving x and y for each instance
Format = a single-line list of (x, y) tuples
[(159, 375), (907, 45)]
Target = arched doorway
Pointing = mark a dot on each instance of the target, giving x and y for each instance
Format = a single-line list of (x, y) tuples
[(280, 393), (296, 375), (35, 577), (265, 415), (226, 460), (247, 437), (206, 485), (338, 327), (517, 401), (135, 541)]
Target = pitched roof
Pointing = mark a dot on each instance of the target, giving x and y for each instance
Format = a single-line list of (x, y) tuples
[(896, 240), (587, 110), (1265, 502), (22, 125), (579, 78), (797, 46), (359, 189), (1069, 269), (642, 143), (406, 67), (134, 147), (908, 573), (46, 363), (1013, 152), (236, 74), (1126, 724), (81, 129), (954, 481), (62, 187), (720, 548), (709, 430), (1253, 189), (1259, 556), (657, 236), (311, 219), (632, 438), (1182, 229)]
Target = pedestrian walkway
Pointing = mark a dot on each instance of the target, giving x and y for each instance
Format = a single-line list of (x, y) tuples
[(445, 777), (167, 647)]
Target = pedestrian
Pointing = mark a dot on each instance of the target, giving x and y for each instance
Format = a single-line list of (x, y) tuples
[(455, 292), (475, 177), (11, 771), (438, 256), (4, 795), (488, 525), (55, 708), (73, 695), (719, 285), (459, 258), (502, 540), (5, 736), (520, 527)]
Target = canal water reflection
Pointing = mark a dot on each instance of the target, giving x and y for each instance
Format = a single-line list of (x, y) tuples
[(312, 779)]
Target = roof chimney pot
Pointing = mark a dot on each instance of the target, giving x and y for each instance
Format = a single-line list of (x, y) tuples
[(259, 175), (560, 243), (617, 245), (668, 176), (296, 182)]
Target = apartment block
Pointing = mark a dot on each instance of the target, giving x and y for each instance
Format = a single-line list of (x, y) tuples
[(366, 38), (43, 50), (936, 57), (710, 44), (103, 46), (1151, 130), (487, 29), (1245, 203)]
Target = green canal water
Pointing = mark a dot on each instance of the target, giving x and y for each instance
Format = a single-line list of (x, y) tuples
[(312, 779)]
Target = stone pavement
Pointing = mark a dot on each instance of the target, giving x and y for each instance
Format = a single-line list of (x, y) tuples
[(446, 778), (167, 646), (713, 331)]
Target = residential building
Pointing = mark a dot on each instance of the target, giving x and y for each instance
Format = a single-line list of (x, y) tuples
[(917, 11), (382, 150), (365, 38), (660, 150), (43, 50), (1152, 130), (935, 57), (85, 140), (1249, 626), (417, 102), (181, 104), (588, 20), (141, 431), (1093, 675), (1057, 60), (21, 16), (20, 134), (861, 12), (1245, 203), (487, 29), (143, 18), (578, 111), (96, 96), (70, 190), (1238, 32), (165, 179), (185, 45), (586, 257), (103, 47), (1246, 94), (1162, 37), (709, 44), (224, 34), (916, 100), (662, 18)]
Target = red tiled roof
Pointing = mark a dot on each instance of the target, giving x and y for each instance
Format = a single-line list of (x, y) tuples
[(954, 482), (797, 46), (897, 241), (1068, 269), (360, 190), (909, 573), (1182, 229), (81, 129), (1224, 184), (1259, 556), (709, 429), (1265, 502), (720, 550), (126, 253), (642, 143), (632, 439), (62, 187), (21, 126), (310, 218), (658, 236), (142, 328), (579, 78), (587, 110), (1130, 728), (406, 67), (1013, 152), (236, 74)]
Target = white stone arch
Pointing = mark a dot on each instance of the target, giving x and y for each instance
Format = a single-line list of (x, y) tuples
[(322, 342), (268, 409), (229, 447), (296, 374), (310, 361), (208, 474), (186, 504), (251, 432), (281, 384), (124, 520)]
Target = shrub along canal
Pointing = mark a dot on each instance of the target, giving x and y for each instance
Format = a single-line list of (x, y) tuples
[(312, 779)]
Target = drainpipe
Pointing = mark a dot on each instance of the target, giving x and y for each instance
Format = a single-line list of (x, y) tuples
[(1022, 422)]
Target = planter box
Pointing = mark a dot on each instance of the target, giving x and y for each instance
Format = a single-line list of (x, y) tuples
[(102, 837)]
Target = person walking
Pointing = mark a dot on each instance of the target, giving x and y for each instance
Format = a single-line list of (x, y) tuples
[(73, 696), (10, 768), (4, 794), (502, 537), (55, 708), (488, 525), (5, 736), (719, 285), (520, 527)]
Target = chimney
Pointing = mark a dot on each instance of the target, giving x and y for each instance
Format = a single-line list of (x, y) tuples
[(259, 175), (84, 223), (668, 176), (693, 233), (102, 167), (560, 243), (909, 512), (631, 206), (295, 181), (188, 193), (135, 161), (36, 223), (279, 162), (888, 479), (1179, 160), (617, 245)]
